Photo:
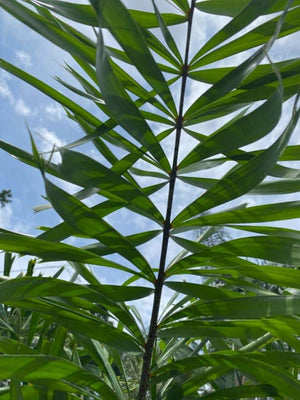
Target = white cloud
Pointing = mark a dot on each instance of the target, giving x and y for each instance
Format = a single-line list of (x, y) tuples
[(22, 108), (55, 112), (19, 105), (5, 217), (24, 58), (49, 141), (5, 91)]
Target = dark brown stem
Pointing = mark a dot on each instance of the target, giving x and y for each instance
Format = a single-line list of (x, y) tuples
[(145, 375)]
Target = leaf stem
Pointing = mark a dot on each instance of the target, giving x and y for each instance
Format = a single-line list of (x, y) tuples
[(145, 375)]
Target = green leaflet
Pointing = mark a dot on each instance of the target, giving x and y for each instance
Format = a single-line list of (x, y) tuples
[(264, 213), (166, 33), (278, 249), (27, 158), (232, 7), (202, 329), (242, 392), (241, 132), (85, 14), (225, 85), (31, 287), (70, 314), (57, 373), (84, 171), (216, 335), (252, 39), (94, 298), (82, 13), (130, 37), (241, 179), (262, 75), (246, 308), (49, 91), (49, 30), (84, 220), (248, 14), (136, 240), (148, 20), (160, 49), (117, 100), (261, 368), (277, 187), (182, 4), (268, 230), (201, 291), (49, 251), (235, 271)]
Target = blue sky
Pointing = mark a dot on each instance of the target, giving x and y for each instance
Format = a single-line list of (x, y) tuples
[(21, 104)]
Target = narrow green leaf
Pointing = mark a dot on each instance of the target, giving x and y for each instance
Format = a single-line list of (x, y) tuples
[(278, 249), (86, 172), (263, 213), (240, 132), (243, 18), (248, 307), (218, 7), (203, 329), (182, 4), (85, 220), (49, 251), (148, 20), (130, 37), (136, 240), (262, 75), (49, 91), (117, 100), (203, 183), (241, 179), (50, 31), (55, 372), (167, 34), (159, 48), (240, 392), (85, 14), (256, 37), (277, 187), (200, 291), (269, 230), (81, 13), (226, 84), (231, 8)]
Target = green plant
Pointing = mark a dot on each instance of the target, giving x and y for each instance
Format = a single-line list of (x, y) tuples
[(235, 341)]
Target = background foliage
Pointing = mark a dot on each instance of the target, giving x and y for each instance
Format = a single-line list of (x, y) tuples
[(231, 328)]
